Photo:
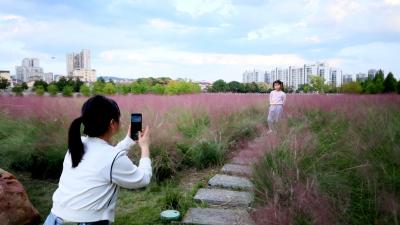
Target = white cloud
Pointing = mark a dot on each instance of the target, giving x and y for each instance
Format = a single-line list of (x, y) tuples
[(198, 8), (392, 2)]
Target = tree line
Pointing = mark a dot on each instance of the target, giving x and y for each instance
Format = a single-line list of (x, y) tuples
[(67, 87)]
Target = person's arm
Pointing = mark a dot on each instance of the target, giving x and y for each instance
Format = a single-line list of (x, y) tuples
[(270, 97), (125, 174), (126, 143)]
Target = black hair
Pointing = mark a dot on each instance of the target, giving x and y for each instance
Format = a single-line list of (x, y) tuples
[(96, 114), (278, 82)]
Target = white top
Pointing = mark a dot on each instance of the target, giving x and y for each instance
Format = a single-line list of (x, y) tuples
[(277, 98), (88, 192)]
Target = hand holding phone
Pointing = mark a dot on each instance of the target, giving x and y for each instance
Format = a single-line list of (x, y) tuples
[(136, 125)]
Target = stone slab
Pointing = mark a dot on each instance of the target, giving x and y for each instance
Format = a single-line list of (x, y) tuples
[(235, 169), (223, 197), (231, 182), (211, 216)]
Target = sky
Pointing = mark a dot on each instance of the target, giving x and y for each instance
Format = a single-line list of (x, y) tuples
[(201, 39)]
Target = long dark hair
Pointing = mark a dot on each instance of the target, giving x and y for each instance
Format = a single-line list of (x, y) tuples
[(97, 112)]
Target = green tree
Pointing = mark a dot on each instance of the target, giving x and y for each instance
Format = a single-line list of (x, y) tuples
[(4, 83), (398, 87), (139, 87), (77, 85), (219, 86), (306, 88), (98, 87), (17, 90), (234, 86), (352, 87), (158, 89), (24, 86), (39, 90), (40, 83), (390, 83), (61, 83), (123, 89), (370, 87), (52, 89), (84, 90), (317, 83), (378, 81), (67, 91), (110, 89)]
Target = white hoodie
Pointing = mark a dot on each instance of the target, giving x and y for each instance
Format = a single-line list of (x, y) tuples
[(88, 192)]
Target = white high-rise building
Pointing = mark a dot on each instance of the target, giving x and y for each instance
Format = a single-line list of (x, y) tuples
[(79, 66), (294, 76), (29, 70), (253, 76)]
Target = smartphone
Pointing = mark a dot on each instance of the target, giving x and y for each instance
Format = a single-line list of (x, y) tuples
[(136, 125)]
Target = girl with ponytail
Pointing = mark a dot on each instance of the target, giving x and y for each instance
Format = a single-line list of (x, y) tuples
[(94, 170)]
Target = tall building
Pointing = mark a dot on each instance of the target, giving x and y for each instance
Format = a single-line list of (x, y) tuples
[(294, 76), (253, 76), (347, 78), (79, 66), (29, 70), (371, 73), (361, 77)]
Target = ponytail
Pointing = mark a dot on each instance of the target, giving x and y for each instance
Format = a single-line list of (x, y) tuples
[(75, 145)]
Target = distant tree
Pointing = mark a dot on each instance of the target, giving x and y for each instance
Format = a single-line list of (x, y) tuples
[(61, 83), (378, 81), (398, 87), (39, 90), (98, 87), (352, 87), (139, 87), (306, 88), (262, 87), (52, 89), (390, 83), (77, 85), (84, 90), (123, 89), (370, 87), (317, 83), (17, 90), (67, 91), (109, 89), (24, 86), (234, 86), (40, 83), (158, 89), (219, 86), (101, 80), (253, 87), (4, 83)]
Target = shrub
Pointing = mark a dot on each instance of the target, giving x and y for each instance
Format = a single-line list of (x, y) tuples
[(17, 90), (85, 90), (53, 89), (163, 166), (206, 153), (67, 91), (39, 90), (191, 127)]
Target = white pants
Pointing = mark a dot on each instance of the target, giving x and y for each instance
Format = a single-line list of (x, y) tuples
[(274, 114)]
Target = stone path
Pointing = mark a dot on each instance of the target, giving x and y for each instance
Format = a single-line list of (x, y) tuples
[(230, 192)]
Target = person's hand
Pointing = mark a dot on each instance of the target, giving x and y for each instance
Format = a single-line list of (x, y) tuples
[(144, 138)]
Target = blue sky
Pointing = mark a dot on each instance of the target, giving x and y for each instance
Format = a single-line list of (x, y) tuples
[(201, 39)]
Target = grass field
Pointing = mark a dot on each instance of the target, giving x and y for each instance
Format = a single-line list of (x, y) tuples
[(190, 134), (338, 162)]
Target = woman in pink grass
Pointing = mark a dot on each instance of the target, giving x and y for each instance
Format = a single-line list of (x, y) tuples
[(277, 100)]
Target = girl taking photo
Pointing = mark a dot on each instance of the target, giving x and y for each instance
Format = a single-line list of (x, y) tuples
[(94, 170)]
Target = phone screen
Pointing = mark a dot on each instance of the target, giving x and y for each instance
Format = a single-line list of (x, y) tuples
[(136, 125)]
